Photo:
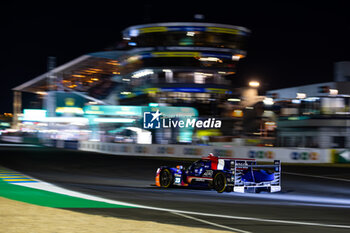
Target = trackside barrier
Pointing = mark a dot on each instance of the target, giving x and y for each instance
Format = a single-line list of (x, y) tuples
[(268, 154), (340, 155), (15, 139), (67, 144), (20, 139)]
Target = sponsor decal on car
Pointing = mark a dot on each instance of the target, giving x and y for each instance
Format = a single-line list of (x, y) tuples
[(208, 173)]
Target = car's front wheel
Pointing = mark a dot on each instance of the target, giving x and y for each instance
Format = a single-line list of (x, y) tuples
[(219, 182), (165, 178)]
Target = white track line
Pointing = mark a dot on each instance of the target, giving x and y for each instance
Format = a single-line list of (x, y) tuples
[(314, 176), (268, 220), (53, 188), (211, 223)]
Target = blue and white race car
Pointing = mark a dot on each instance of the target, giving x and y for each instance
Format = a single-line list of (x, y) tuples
[(223, 174)]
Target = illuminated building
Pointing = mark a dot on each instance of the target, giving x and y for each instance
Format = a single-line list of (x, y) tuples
[(184, 64), (164, 64), (315, 115)]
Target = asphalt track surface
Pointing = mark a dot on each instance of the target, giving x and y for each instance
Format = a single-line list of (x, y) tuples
[(313, 198)]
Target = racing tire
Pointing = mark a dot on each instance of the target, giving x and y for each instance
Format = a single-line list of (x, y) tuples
[(166, 178), (220, 182), (229, 189)]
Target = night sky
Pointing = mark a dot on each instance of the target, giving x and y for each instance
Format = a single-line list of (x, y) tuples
[(292, 43)]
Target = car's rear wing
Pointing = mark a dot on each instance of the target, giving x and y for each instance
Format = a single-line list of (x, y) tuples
[(239, 167)]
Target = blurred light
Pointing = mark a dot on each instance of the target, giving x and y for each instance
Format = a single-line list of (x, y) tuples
[(71, 120), (126, 38), (333, 91), (113, 62), (301, 95), (126, 79), (143, 136), (11, 130), (198, 77), (270, 125), (125, 93), (92, 70), (151, 90), (6, 124), (78, 75), (142, 73), (311, 99), (199, 16), (75, 110), (254, 84), (167, 71), (268, 101), (233, 100), (237, 113), (190, 33), (134, 32), (132, 43), (236, 58), (114, 120), (41, 93), (34, 114), (296, 101), (209, 59), (153, 104), (133, 58), (204, 74)]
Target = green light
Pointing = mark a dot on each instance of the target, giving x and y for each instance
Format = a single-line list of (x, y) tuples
[(153, 104)]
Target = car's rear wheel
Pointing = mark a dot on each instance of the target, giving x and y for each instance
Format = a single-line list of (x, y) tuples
[(219, 182), (165, 178)]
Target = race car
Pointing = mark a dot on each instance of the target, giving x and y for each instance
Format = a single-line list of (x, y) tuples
[(223, 174)]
